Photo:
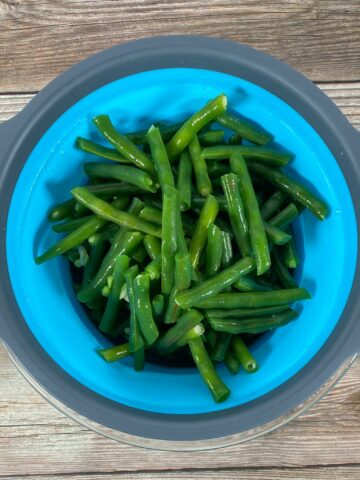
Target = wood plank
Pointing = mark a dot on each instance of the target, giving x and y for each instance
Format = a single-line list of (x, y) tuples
[(36, 439), (40, 39), (319, 473), (345, 95)]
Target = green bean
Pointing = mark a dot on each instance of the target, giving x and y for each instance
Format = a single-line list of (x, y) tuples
[(218, 389), (254, 325), (139, 254), (153, 269), (242, 353), (232, 363), (272, 204), (169, 242), (235, 140), (216, 284), (107, 212), (276, 235), (282, 272), (291, 258), (139, 359), (184, 180), (113, 354), (61, 211), (211, 137), (227, 252), (245, 312), (152, 245), (151, 214), (181, 327), (105, 291), (136, 341), (255, 299), (158, 306), (77, 237), (70, 225), (203, 182), (83, 257), (196, 122), (197, 202), (105, 234), (293, 189), (143, 309), (217, 169), (213, 250), (97, 253), (160, 157), (284, 217), (244, 128), (236, 212), (207, 216), (248, 284), (211, 337), (112, 309), (131, 175), (267, 156), (182, 281), (221, 346), (257, 233), (194, 332), (122, 144), (100, 151)]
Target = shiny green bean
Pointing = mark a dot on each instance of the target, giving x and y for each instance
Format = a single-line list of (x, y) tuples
[(143, 309), (272, 205), (169, 241), (95, 149), (185, 323), (220, 348), (184, 180), (267, 156), (282, 273), (203, 182), (244, 312), (182, 281), (284, 217), (113, 354), (243, 354), (213, 250), (160, 157), (152, 245), (151, 214), (244, 128)]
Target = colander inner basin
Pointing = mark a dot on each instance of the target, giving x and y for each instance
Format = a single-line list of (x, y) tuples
[(44, 293)]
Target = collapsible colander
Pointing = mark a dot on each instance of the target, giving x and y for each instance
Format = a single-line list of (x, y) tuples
[(42, 324)]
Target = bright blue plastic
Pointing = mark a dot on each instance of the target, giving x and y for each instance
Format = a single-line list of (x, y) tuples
[(45, 295)]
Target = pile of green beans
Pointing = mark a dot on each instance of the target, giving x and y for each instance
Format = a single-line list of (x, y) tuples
[(181, 245)]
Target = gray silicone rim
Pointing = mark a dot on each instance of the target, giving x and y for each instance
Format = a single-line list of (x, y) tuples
[(18, 137)]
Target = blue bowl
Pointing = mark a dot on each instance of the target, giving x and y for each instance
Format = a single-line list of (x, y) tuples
[(56, 321)]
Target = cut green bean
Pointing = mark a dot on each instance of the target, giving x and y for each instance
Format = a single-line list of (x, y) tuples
[(151, 214), (96, 255), (257, 233), (244, 128), (95, 149), (83, 257), (232, 363), (255, 299), (123, 145), (152, 245), (193, 333), (139, 254), (276, 235), (284, 217), (160, 157), (282, 273), (107, 212), (182, 281), (211, 137), (153, 269), (218, 389), (266, 156), (248, 284), (197, 201), (169, 241), (217, 169), (107, 233), (213, 250), (158, 306), (227, 251), (196, 122), (185, 323), (245, 312), (112, 309), (216, 284), (184, 180), (292, 188), (236, 212), (70, 225), (244, 356), (61, 211), (131, 175), (203, 181), (207, 216), (113, 354), (272, 205), (220, 348), (291, 257), (143, 309), (254, 325), (136, 341)]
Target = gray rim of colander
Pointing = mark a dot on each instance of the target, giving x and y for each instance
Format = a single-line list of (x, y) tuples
[(19, 135)]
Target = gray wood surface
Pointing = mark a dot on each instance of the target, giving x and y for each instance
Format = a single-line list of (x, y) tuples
[(41, 38)]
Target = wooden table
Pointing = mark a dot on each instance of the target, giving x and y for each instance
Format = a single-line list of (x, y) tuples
[(38, 40)]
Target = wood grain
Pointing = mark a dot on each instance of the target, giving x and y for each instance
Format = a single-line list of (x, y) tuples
[(40, 38), (345, 95)]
